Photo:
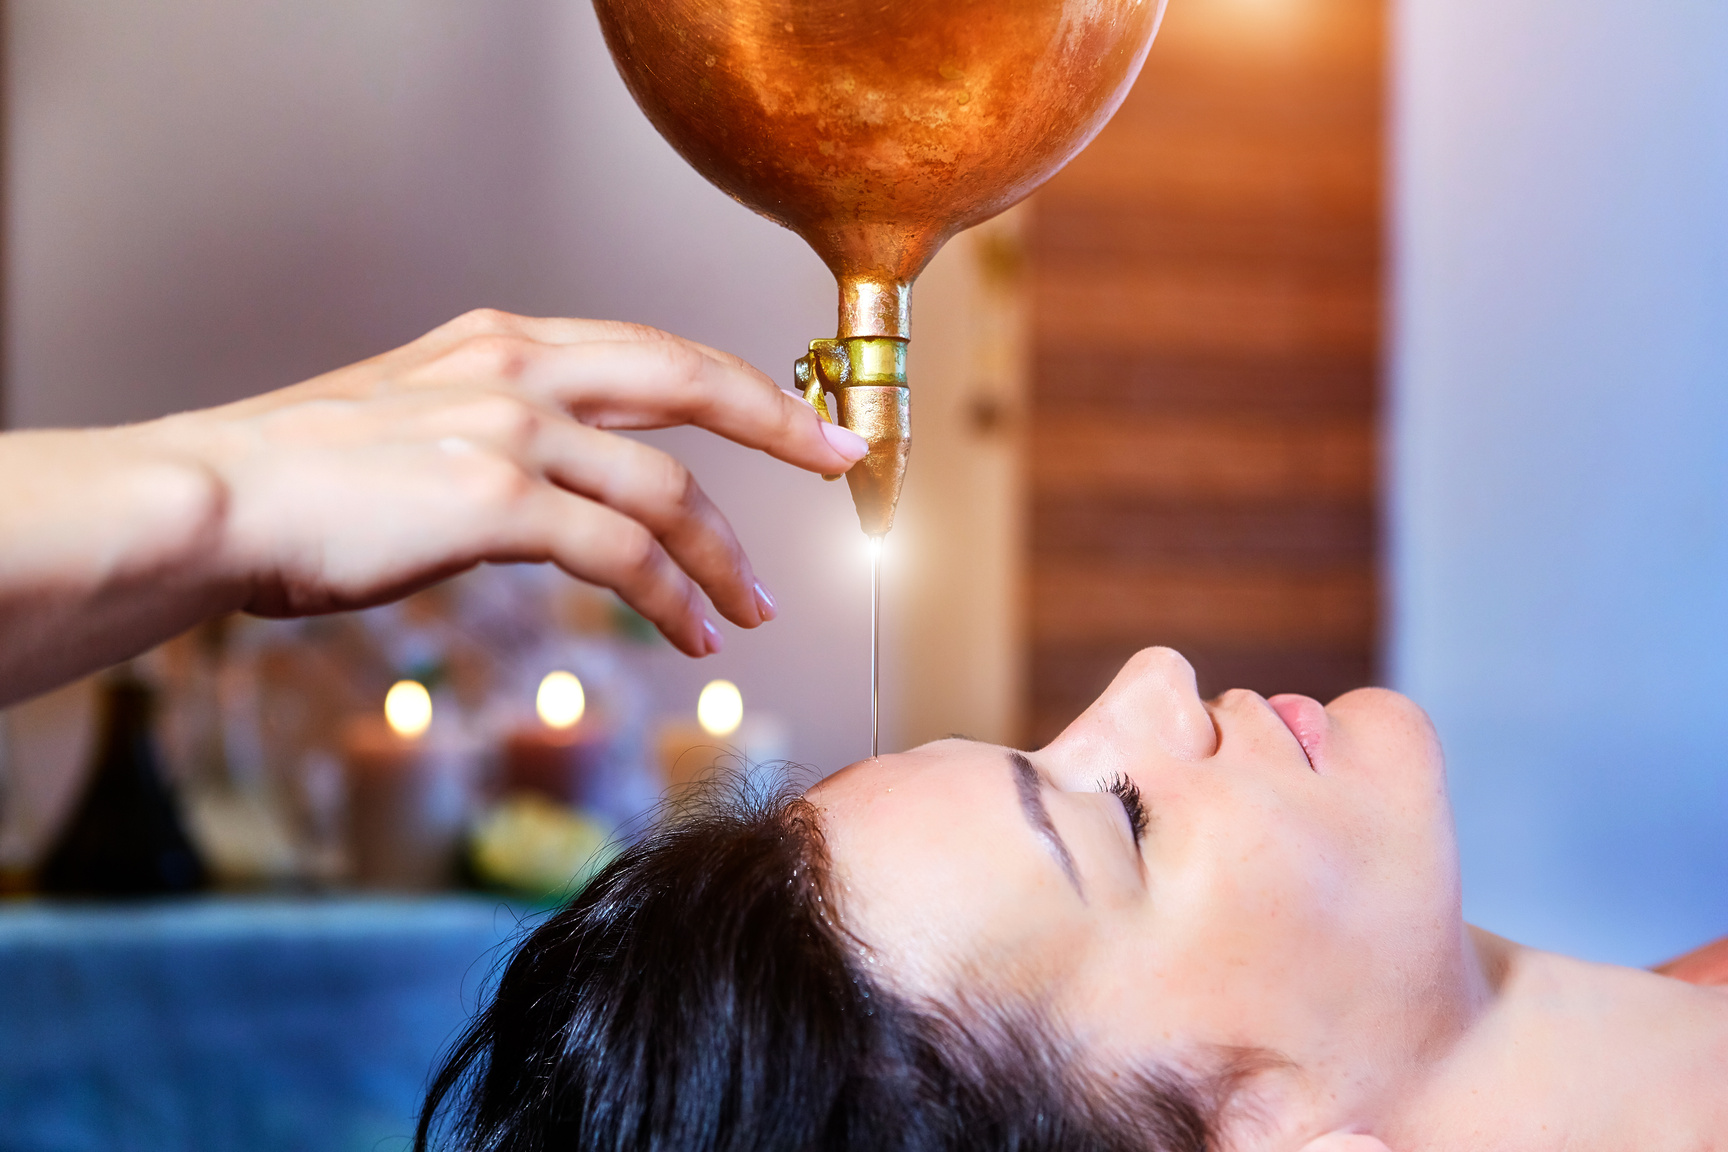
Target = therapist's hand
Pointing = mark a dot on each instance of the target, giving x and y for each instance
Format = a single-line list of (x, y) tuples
[(486, 440)]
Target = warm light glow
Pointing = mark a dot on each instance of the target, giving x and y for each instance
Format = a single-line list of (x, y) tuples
[(720, 708), (408, 708), (1243, 24), (1264, 7), (560, 700), (875, 547)]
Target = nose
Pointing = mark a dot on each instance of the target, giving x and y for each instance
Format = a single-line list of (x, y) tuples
[(1154, 701)]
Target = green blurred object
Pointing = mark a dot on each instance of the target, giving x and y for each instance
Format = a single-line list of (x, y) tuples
[(632, 625), (538, 848), (431, 673)]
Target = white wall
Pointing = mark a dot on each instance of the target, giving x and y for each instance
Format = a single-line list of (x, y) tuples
[(213, 198), (1559, 463), (953, 587)]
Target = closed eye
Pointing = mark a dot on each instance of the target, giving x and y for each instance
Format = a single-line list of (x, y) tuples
[(1128, 792)]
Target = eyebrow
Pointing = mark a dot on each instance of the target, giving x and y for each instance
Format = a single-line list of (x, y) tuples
[(1030, 786)]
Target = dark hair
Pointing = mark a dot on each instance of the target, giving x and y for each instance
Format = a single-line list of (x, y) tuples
[(698, 996)]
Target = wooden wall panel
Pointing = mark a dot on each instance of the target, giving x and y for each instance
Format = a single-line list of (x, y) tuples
[(1206, 303), (1204, 457)]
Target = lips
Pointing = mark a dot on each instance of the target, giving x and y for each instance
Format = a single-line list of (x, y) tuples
[(1306, 719)]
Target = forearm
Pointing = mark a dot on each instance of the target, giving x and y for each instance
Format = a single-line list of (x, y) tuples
[(111, 540)]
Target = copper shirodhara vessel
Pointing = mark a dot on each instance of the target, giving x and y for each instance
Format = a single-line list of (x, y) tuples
[(877, 129)]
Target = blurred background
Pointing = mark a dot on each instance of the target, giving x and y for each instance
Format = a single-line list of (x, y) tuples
[(1374, 341)]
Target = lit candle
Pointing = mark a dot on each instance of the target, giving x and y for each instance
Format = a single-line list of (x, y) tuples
[(688, 751), (410, 787), (408, 709), (720, 708), (561, 755), (560, 702)]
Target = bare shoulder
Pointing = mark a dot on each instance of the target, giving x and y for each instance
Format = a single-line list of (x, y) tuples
[(1706, 966)]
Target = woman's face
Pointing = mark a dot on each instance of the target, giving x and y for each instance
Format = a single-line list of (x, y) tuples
[(1295, 887)]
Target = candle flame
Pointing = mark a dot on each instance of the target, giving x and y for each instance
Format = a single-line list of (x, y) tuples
[(720, 708), (408, 708), (560, 701)]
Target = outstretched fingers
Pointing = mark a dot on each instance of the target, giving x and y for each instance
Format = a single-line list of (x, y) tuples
[(602, 546), (659, 493), (659, 384), (554, 330), (614, 375), (542, 393)]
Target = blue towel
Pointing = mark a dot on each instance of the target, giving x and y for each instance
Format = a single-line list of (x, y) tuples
[(220, 1025)]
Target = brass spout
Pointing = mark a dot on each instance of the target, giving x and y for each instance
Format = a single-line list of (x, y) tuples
[(875, 307), (876, 131), (867, 375)]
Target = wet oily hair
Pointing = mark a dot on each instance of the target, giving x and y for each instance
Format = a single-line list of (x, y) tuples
[(698, 996)]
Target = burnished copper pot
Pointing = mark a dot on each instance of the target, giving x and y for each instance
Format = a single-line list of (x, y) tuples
[(876, 129)]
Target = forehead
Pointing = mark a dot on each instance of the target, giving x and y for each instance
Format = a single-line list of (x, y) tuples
[(900, 784), (901, 825), (934, 864)]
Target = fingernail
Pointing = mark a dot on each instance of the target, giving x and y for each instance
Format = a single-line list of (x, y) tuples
[(845, 441), (765, 603), (715, 641)]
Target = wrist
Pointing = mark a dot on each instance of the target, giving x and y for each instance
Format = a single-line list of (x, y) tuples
[(109, 544), (178, 499)]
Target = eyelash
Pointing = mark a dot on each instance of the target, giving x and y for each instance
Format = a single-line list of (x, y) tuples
[(1128, 792)]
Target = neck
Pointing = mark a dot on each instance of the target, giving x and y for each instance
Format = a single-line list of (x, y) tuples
[(1566, 1054)]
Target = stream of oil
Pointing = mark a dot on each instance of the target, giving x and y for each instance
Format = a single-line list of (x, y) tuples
[(875, 646)]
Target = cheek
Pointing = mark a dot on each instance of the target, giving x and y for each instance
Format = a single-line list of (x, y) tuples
[(1273, 915), (1281, 915), (1278, 891), (1256, 859), (1251, 918)]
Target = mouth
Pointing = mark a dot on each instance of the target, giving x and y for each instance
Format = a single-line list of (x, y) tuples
[(1306, 719)]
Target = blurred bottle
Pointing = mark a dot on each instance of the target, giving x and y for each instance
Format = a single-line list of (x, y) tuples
[(125, 837)]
